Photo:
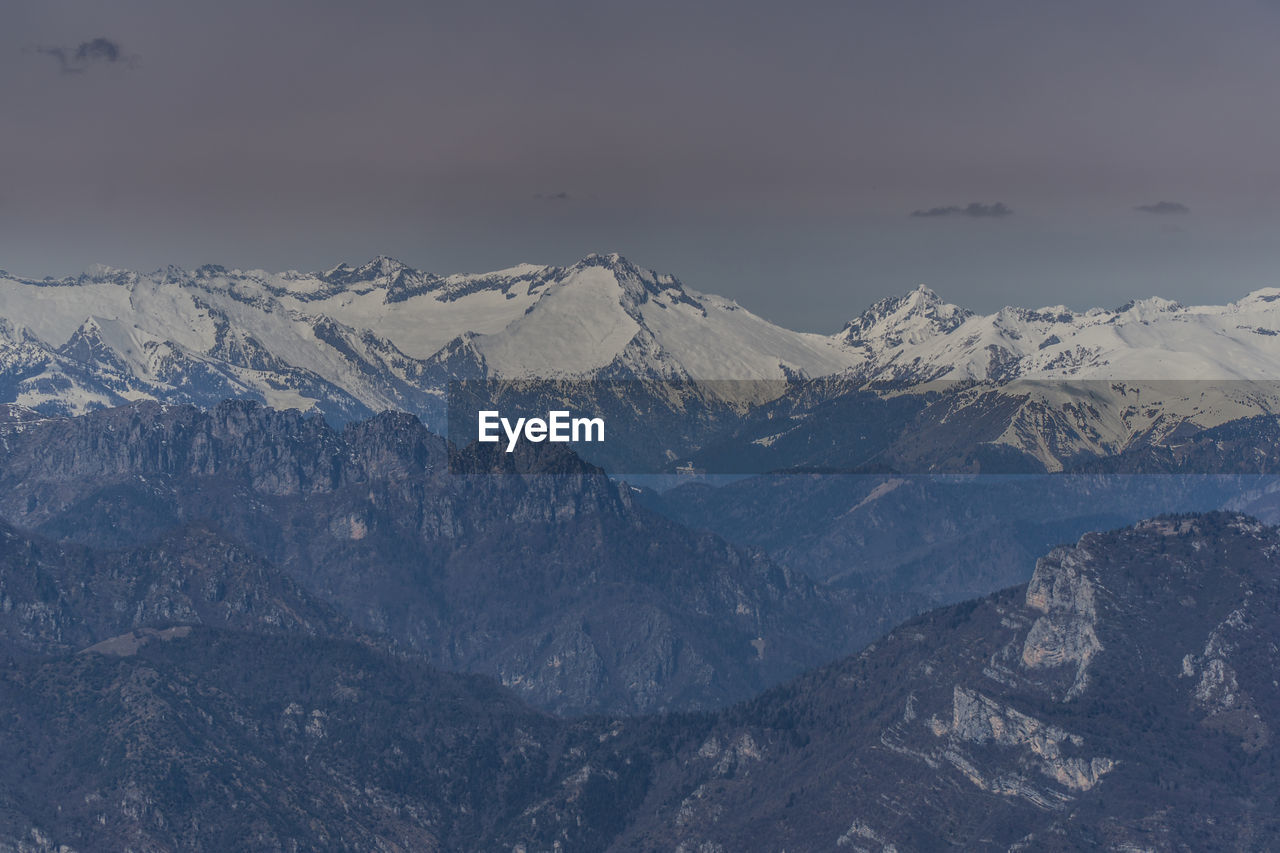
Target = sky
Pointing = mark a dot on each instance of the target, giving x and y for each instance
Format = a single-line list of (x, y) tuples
[(804, 160)]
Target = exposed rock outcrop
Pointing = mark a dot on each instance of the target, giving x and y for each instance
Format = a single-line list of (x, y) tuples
[(1065, 635)]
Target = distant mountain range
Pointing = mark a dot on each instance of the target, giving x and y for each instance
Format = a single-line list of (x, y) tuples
[(379, 336), (1050, 386)]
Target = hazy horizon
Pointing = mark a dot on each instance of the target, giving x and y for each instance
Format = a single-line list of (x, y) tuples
[(804, 162)]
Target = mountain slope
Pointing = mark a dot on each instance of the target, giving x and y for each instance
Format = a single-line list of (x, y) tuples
[(552, 580), (1125, 699), (57, 598), (1048, 388), (905, 544), (171, 742), (919, 337), (379, 330), (1015, 391)]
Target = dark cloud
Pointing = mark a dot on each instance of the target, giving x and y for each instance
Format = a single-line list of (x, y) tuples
[(560, 196), (975, 209), (96, 51), (950, 210), (1163, 208)]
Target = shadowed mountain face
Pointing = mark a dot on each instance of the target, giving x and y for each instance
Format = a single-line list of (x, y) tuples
[(1126, 698), (212, 741), (551, 580), (62, 597), (900, 545)]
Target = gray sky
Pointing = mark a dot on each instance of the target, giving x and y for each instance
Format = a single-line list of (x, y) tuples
[(771, 154)]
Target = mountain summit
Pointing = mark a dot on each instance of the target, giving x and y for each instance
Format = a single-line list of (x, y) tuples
[(910, 319)]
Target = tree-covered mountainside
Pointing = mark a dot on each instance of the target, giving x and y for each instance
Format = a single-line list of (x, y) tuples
[(543, 572), (1126, 698)]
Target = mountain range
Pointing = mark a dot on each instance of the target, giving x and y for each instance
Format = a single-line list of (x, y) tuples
[(1051, 386), (542, 573), (1125, 698), (257, 590)]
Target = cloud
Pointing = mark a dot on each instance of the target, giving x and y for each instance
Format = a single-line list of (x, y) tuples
[(1163, 208), (974, 209), (560, 196), (96, 51)]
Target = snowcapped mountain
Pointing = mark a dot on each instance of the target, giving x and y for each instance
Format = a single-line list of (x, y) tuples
[(373, 337), (919, 337), (1063, 386), (353, 340)]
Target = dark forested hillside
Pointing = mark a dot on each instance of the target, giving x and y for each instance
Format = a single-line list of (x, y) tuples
[(204, 740), (1125, 699)]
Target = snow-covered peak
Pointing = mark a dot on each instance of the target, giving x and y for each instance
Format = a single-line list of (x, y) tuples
[(384, 265), (636, 284), (1266, 299), (395, 278), (90, 344), (103, 274), (909, 319), (1146, 310), (101, 271), (604, 259)]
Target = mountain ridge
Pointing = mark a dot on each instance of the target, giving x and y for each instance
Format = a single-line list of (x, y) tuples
[(519, 319), (356, 340)]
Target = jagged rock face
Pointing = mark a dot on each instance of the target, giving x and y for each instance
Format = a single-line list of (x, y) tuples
[(1064, 636), (1128, 693), (551, 580), (978, 719)]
